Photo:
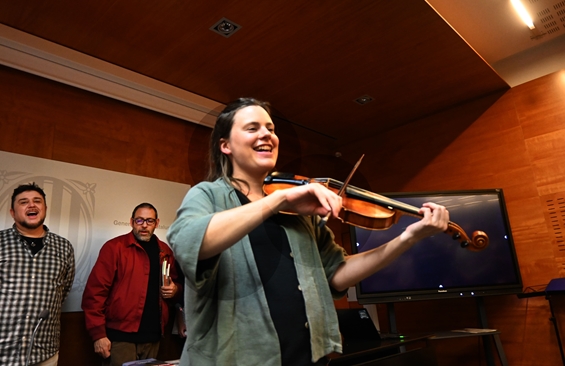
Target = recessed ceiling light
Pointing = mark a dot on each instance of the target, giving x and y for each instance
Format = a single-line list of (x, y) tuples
[(225, 27), (364, 99), (523, 13)]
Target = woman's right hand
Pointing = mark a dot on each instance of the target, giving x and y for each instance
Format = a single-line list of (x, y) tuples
[(310, 199)]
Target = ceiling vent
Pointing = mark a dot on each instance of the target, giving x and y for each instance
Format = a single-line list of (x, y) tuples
[(549, 16), (225, 27), (365, 99)]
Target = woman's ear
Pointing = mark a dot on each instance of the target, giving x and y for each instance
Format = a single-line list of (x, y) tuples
[(225, 146)]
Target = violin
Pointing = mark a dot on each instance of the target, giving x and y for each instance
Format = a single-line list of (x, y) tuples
[(370, 210)]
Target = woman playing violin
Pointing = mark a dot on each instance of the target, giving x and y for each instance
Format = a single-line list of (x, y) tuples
[(260, 284)]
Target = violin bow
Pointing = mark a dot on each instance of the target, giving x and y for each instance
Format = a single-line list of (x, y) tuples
[(342, 189)]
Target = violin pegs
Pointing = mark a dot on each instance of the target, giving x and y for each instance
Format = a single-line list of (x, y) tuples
[(464, 244), (457, 236)]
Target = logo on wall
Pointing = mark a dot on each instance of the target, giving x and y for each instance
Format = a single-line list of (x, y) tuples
[(70, 212)]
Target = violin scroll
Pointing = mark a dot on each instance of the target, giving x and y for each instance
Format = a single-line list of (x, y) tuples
[(479, 241), (476, 244)]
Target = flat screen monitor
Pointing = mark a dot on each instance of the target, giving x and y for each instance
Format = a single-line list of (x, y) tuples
[(438, 266)]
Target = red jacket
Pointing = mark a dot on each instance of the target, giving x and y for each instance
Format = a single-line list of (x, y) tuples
[(115, 292)]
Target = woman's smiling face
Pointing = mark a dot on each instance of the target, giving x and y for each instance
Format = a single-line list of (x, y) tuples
[(252, 145)]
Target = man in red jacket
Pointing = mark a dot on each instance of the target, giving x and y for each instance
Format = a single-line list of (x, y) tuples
[(127, 295)]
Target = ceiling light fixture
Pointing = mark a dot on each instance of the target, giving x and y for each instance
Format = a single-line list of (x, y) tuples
[(225, 27), (523, 13), (364, 99)]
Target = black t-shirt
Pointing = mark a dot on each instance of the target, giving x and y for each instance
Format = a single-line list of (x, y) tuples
[(33, 244), (272, 253)]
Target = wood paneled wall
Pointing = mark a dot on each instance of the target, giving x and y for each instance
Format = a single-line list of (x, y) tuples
[(514, 141)]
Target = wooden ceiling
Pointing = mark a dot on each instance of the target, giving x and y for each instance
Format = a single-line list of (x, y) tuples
[(310, 59)]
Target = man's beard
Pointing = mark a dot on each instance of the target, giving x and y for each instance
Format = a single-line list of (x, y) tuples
[(27, 225), (142, 238)]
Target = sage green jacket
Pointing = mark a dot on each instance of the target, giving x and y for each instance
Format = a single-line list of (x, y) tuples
[(228, 320)]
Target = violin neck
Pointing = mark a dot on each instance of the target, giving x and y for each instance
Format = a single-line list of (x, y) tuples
[(371, 197), (352, 191)]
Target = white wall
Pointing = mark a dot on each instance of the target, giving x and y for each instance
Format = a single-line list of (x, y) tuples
[(86, 205)]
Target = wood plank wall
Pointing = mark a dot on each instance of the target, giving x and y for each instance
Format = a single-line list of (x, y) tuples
[(514, 141)]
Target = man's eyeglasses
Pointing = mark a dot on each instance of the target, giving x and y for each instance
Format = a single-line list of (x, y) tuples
[(140, 221)]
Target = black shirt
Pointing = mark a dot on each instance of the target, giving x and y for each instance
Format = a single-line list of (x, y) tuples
[(273, 257), (33, 244)]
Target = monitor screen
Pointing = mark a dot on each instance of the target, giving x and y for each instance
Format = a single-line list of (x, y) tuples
[(438, 266)]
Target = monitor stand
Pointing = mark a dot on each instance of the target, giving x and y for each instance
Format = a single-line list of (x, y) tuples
[(483, 332)]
